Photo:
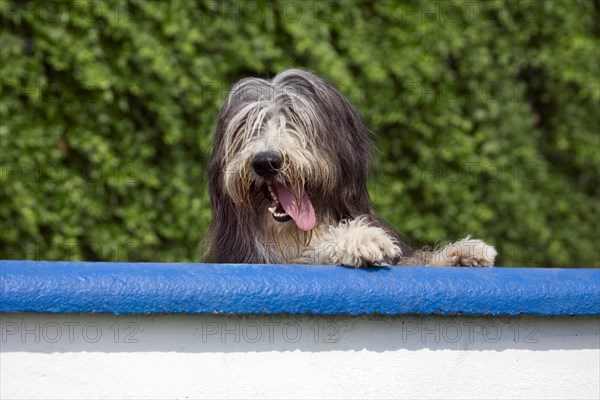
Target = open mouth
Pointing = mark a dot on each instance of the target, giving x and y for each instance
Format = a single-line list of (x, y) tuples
[(285, 206), (276, 209)]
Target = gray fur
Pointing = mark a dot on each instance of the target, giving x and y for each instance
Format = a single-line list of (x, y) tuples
[(326, 150)]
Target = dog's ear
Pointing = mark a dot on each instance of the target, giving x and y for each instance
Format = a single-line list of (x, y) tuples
[(225, 240), (230, 236), (351, 146), (355, 169), (228, 240)]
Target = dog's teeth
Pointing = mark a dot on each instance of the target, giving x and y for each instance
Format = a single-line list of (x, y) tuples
[(272, 209), (272, 192)]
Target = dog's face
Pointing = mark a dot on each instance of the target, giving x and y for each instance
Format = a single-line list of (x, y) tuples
[(290, 149), (289, 169), (272, 158)]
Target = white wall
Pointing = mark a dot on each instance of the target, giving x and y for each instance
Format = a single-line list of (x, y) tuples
[(219, 357)]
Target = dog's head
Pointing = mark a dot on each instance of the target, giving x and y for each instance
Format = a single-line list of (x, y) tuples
[(290, 148)]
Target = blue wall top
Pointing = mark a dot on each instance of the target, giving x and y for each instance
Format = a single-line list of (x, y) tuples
[(142, 288)]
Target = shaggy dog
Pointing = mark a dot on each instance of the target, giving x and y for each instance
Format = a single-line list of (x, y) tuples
[(288, 183)]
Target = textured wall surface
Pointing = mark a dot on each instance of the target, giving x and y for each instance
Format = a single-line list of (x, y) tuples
[(58, 356), (151, 330), (141, 288)]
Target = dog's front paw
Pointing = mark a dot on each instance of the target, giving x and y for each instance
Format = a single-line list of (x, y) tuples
[(356, 244), (465, 253)]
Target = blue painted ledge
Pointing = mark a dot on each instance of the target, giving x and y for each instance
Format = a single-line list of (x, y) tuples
[(148, 288)]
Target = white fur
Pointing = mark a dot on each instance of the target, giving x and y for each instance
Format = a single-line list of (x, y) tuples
[(352, 243), (465, 252)]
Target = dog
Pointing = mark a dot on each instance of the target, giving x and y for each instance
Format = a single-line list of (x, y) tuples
[(288, 183)]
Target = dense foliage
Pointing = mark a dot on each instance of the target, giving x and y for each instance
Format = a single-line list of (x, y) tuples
[(486, 116)]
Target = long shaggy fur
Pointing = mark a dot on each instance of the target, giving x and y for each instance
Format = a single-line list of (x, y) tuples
[(296, 145)]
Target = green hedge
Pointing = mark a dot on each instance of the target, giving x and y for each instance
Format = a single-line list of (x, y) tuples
[(486, 116)]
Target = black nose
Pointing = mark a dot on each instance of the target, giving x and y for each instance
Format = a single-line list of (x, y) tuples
[(267, 163)]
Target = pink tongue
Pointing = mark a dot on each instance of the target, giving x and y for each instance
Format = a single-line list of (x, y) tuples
[(303, 215)]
